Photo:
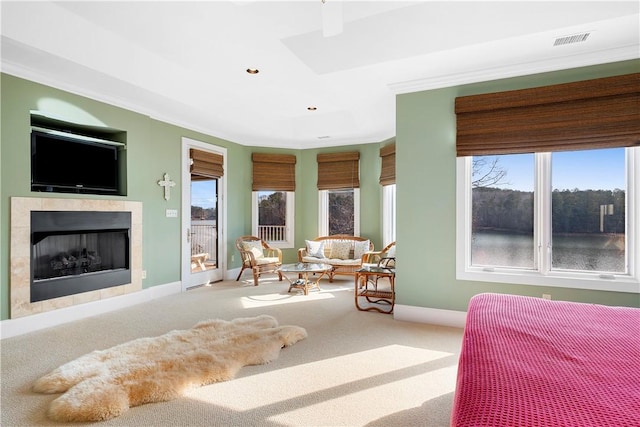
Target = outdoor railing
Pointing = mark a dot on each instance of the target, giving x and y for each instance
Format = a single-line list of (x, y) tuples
[(272, 233), (204, 235)]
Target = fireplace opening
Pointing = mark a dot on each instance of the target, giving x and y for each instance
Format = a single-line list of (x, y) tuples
[(78, 251)]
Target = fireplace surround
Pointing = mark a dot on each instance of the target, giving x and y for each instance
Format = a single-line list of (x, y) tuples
[(124, 229)]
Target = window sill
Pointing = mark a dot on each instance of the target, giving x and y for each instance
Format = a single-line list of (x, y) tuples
[(613, 283)]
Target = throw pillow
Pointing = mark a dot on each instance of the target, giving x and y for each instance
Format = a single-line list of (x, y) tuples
[(254, 246), (392, 252), (359, 248), (340, 249), (315, 249)]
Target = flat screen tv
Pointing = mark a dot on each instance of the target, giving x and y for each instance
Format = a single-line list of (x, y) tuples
[(68, 163)]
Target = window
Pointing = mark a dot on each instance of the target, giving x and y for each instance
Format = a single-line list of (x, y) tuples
[(388, 182), (567, 218), (388, 214), (273, 217), (339, 212), (339, 193), (273, 185)]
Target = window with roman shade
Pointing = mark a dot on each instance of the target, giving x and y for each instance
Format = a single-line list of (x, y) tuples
[(338, 170), (388, 169), (592, 114), (206, 165), (275, 172)]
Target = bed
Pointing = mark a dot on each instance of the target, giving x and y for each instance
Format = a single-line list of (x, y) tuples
[(527, 361)]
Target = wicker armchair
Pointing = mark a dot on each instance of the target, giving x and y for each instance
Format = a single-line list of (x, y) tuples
[(385, 258), (257, 255)]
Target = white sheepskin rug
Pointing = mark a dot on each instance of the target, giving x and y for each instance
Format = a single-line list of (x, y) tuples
[(105, 383)]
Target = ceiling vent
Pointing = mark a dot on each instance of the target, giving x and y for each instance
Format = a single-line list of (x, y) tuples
[(576, 38), (324, 137)]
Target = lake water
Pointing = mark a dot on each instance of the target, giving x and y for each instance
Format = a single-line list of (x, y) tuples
[(594, 252)]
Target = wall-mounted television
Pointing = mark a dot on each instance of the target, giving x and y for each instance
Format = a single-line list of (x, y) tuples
[(68, 163)]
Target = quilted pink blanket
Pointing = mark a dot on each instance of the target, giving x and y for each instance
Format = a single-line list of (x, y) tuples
[(531, 362)]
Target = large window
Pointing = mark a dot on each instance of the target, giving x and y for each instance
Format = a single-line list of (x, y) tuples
[(273, 217), (568, 218)]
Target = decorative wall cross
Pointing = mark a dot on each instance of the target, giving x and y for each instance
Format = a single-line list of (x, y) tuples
[(167, 184)]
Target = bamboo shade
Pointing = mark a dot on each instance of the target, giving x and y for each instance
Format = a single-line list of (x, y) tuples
[(600, 113), (388, 169), (338, 171), (276, 172), (206, 164)]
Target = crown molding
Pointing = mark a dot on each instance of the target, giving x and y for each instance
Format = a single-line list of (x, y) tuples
[(516, 70)]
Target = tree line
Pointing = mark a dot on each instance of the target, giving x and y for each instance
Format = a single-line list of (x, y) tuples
[(573, 211)]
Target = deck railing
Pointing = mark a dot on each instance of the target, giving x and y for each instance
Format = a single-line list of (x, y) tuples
[(272, 233), (204, 235)]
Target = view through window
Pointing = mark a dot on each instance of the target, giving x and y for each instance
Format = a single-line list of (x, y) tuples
[(586, 198)]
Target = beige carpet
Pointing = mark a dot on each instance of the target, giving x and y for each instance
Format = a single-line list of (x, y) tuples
[(354, 368)]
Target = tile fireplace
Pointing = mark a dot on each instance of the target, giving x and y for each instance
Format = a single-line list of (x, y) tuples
[(66, 252)]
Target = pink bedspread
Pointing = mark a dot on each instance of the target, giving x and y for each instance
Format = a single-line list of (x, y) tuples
[(531, 362)]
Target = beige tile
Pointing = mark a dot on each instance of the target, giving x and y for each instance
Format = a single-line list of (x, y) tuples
[(21, 208), (56, 303), (86, 297), (20, 272)]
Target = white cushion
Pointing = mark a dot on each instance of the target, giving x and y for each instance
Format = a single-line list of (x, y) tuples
[(315, 259), (340, 249), (359, 248), (315, 249), (335, 261), (254, 246), (267, 260)]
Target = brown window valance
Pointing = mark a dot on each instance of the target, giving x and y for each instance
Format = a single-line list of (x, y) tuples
[(338, 170), (274, 172), (206, 164), (590, 114), (388, 169)]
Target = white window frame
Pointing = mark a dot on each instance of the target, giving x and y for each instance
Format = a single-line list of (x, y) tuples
[(388, 214), (288, 243), (323, 212), (542, 274)]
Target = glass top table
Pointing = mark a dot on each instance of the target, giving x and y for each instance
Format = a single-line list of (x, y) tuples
[(303, 270)]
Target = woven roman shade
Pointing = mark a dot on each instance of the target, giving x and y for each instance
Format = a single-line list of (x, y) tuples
[(275, 172), (206, 164), (388, 169), (338, 171), (600, 113)]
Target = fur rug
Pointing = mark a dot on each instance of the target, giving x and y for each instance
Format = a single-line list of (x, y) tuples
[(105, 383)]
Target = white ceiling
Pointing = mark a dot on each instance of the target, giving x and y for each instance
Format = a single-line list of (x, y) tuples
[(184, 62)]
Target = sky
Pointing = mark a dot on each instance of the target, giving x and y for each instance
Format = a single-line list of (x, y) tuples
[(203, 193), (585, 170)]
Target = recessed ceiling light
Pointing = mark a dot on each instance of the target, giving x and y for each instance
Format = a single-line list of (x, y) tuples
[(253, 70), (312, 108)]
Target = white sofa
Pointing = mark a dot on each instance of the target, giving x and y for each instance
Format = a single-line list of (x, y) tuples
[(343, 252)]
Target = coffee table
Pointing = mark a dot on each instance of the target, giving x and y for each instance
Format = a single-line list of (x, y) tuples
[(303, 269)]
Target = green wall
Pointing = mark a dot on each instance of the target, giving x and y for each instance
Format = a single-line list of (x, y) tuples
[(426, 191), (153, 148), (425, 154)]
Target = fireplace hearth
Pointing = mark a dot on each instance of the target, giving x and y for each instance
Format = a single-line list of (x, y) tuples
[(78, 251)]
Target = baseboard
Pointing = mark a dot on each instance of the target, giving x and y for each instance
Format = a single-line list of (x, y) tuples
[(22, 325), (433, 316)]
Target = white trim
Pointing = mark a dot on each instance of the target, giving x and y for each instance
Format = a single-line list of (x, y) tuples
[(323, 212), (432, 316), (23, 325), (542, 274), (502, 72), (289, 243), (218, 273)]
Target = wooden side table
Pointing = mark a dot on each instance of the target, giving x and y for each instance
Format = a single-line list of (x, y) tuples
[(366, 286)]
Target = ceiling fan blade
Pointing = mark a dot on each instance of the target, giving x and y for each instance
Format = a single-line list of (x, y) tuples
[(332, 20)]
